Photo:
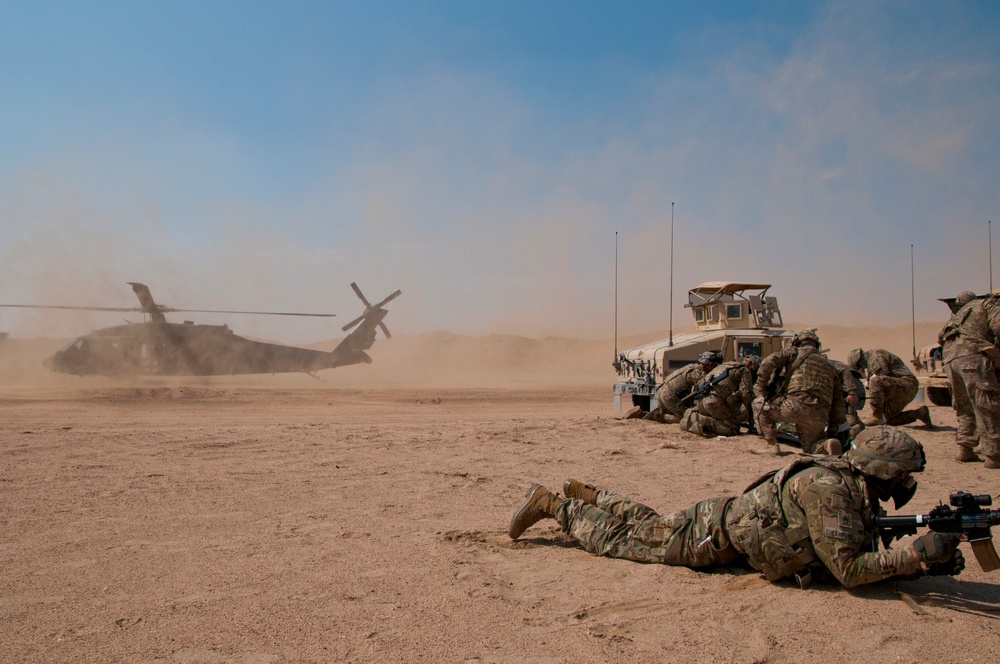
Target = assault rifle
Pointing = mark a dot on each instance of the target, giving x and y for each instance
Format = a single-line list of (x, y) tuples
[(965, 516), (703, 389)]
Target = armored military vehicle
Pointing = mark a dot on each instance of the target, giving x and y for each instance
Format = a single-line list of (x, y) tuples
[(735, 319)]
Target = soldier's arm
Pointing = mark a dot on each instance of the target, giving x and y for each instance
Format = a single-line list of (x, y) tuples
[(767, 369), (746, 389), (838, 534), (879, 363)]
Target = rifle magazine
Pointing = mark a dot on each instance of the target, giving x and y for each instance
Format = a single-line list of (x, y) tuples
[(986, 554)]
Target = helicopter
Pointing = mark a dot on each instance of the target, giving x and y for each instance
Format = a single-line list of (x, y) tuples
[(156, 347)]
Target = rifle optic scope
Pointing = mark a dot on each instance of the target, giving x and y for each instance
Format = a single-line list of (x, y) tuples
[(969, 500)]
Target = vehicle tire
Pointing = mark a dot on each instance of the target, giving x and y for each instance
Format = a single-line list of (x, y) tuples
[(939, 396), (642, 401)]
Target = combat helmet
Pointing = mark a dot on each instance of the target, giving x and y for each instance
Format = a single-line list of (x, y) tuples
[(856, 359), (710, 357), (964, 298), (806, 336), (886, 456)]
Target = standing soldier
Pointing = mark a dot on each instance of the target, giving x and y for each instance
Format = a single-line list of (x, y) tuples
[(723, 399), (798, 385), (891, 386), (970, 353), (678, 385)]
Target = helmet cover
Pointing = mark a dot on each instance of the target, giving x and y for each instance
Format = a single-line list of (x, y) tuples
[(885, 453), (806, 336)]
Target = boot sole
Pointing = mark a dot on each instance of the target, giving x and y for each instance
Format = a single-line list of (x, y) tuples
[(528, 497)]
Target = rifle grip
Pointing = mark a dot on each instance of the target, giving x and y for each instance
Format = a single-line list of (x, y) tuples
[(986, 554)]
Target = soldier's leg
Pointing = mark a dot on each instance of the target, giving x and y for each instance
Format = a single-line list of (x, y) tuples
[(876, 401), (898, 393), (692, 422), (667, 406), (668, 539), (717, 418), (985, 392), (810, 420), (764, 414), (966, 435)]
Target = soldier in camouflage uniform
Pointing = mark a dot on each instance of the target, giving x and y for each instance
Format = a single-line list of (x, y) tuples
[(854, 397), (891, 386), (725, 397), (970, 353), (807, 393), (678, 385), (814, 514)]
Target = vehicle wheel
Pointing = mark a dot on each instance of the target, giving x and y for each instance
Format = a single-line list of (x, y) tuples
[(939, 396), (641, 401)]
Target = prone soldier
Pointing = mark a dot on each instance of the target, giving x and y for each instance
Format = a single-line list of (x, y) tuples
[(815, 514)]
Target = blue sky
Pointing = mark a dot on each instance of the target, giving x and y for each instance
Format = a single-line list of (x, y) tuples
[(481, 157)]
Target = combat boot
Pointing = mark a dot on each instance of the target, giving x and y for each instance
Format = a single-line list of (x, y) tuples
[(992, 462), (924, 415), (875, 419), (966, 454), (585, 492), (539, 503)]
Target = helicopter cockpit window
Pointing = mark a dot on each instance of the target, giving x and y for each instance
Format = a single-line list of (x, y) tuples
[(76, 344)]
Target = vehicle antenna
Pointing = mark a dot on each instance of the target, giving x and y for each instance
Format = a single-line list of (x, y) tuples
[(670, 315), (913, 300), (616, 296), (989, 235)]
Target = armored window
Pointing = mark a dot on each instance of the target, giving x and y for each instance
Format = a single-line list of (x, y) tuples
[(699, 315), (744, 348), (734, 311)]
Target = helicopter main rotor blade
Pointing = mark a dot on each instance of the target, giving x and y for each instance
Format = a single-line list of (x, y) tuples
[(73, 308), (248, 313)]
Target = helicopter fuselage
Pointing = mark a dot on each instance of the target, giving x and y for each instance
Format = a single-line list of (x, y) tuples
[(181, 349)]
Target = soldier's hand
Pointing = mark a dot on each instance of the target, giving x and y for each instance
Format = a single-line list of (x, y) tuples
[(951, 567), (935, 547)]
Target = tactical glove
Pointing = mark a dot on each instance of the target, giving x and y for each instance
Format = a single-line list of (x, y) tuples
[(935, 547), (952, 567)]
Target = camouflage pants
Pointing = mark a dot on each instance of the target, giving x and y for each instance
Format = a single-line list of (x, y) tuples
[(889, 396), (975, 393), (620, 527), (670, 403), (809, 416), (711, 417)]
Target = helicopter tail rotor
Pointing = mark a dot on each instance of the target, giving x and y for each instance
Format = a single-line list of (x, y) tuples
[(372, 311)]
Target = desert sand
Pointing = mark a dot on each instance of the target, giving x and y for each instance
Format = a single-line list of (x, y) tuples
[(363, 518)]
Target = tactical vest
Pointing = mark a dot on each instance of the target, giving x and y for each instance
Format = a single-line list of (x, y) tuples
[(727, 389), (757, 526), (813, 374), (681, 381)]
